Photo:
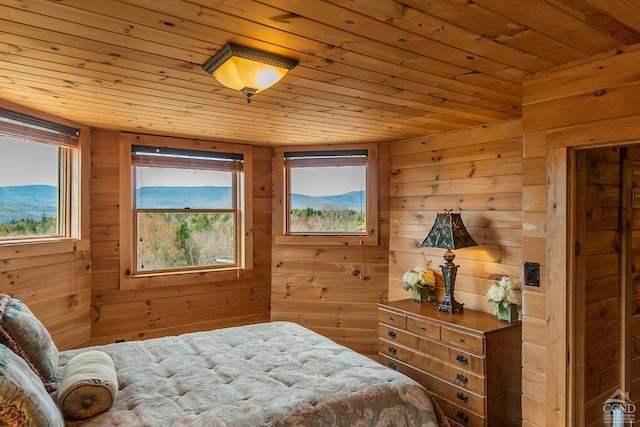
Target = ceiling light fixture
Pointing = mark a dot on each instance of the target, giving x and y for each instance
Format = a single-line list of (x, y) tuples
[(248, 70)]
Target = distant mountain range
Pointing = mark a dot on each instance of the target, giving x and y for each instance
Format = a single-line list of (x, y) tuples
[(354, 200), (185, 197), (220, 198), (31, 201), (28, 201)]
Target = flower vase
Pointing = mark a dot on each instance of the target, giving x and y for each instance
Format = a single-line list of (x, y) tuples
[(423, 294), (509, 313)]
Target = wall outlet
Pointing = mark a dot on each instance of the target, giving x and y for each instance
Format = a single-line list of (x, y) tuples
[(531, 273)]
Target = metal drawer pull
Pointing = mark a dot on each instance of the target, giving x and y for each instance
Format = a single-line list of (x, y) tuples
[(461, 378), (392, 350), (462, 397), (462, 417), (460, 358), (392, 334), (392, 365)]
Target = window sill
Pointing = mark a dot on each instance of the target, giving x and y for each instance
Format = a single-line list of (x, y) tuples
[(157, 280), (327, 240), (32, 247)]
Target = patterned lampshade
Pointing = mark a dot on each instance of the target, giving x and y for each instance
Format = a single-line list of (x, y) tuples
[(448, 232)]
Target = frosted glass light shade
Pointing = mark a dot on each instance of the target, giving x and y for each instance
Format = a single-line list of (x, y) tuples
[(238, 73), (247, 70)]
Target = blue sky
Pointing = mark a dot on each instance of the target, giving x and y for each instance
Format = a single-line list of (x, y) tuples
[(14, 167), (334, 180), (157, 177), (13, 171)]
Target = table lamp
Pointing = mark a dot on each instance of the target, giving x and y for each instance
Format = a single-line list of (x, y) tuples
[(448, 232)]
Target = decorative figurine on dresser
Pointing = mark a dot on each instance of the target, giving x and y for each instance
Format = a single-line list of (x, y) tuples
[(469, 361)]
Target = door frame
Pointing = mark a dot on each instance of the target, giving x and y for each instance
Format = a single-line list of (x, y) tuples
[(560, 211), (564, 345)]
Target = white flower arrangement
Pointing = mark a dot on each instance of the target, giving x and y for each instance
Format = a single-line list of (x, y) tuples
[(504, 292), (419, 278)]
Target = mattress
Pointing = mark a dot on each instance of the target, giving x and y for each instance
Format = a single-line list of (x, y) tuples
[(269, 374)]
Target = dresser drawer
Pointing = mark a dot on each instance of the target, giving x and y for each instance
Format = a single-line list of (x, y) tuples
[(464, 380), (461, 339), (424, 328), (459, 360), (465, 400), (393, 318), (443, 393), (459, 415)]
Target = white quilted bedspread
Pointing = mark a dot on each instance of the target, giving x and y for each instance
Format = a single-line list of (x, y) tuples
[(271, 374)]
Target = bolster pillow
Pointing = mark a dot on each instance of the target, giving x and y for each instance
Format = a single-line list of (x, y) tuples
[(89, 385)]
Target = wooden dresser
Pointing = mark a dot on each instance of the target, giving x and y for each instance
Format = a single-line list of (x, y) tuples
[(470, 362)]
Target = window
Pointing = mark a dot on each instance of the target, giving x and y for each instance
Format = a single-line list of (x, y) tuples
[(328, 195), (187, 210), (35, 178)]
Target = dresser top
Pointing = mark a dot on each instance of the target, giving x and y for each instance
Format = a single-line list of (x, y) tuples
[(471, 320)]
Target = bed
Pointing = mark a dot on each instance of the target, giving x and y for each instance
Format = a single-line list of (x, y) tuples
[(268, 374)]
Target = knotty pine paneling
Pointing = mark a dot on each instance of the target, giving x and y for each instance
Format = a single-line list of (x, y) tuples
[(478, 172), (54, 278), (587, 104), (334, 290), (169, 310), (378, 71)]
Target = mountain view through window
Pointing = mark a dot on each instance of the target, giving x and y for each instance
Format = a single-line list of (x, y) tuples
[(328, 200), (29, 189)]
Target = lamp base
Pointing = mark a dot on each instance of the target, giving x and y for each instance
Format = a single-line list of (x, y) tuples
[(450, 304), (449, 272)]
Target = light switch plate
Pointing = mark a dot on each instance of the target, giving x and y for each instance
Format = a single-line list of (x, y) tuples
[(531, 273)]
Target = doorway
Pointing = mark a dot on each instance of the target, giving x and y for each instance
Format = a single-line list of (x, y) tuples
[(603, 291)]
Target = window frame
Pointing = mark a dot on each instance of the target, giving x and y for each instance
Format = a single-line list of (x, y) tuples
[(68, 140), (130, 278), (282, 208)]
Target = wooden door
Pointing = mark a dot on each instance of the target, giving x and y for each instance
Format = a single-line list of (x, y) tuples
[(604, 329), (631, 291)]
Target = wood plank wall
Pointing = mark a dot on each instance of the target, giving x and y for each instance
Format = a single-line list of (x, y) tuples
[(586, 104), (54, 279), (169, 310), (476, 171), (334, 289)]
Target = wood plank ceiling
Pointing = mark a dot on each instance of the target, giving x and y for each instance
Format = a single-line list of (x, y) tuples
[(370, 70)]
